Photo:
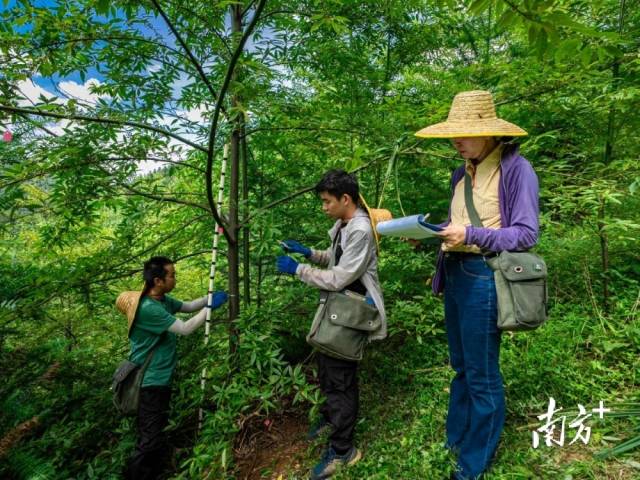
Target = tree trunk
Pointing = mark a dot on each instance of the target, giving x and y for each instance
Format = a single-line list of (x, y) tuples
[(88, 301), (258, 291), (604, 252), (608, 155), (233, 248), (260, 233), (608, 148), (246, 254), (234, 181)]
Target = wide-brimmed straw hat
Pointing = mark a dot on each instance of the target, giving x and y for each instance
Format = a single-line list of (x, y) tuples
[(472, 114), (376, 215), (127, 303)]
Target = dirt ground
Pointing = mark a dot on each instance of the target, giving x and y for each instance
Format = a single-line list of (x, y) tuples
[(271, 448)]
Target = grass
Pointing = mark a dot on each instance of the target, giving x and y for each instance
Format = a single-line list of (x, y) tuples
[(578, 357), (404, 395)]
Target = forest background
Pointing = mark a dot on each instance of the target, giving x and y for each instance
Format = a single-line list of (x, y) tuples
[(114, 116)]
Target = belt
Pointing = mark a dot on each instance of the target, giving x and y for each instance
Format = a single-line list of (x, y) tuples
[(469, 255)]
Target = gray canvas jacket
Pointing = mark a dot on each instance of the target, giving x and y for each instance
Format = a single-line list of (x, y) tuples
[(359, 261)]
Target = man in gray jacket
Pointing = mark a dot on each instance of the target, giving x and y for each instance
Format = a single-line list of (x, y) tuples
[(351, 264)]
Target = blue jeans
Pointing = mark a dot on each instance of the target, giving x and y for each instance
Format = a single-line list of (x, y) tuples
[(476, 402)]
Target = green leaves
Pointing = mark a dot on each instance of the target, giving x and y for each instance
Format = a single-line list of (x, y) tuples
[(549, 25), (336, 23), (324, 84), (567, 49), (479, 6)]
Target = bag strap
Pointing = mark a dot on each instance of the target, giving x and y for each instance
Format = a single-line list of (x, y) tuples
[(468, 201), (151, 352), (471, 208)]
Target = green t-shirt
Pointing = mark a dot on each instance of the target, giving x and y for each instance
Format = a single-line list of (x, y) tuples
[(150, 326)]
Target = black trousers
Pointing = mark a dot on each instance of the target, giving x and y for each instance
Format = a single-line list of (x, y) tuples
[(339, 384), (152, 452)]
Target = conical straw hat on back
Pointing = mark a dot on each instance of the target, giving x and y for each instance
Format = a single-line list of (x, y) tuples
[(127, 303), (376, 215), (472, 114)]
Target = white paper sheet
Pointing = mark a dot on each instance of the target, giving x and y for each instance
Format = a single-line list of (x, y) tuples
[(408, 227)]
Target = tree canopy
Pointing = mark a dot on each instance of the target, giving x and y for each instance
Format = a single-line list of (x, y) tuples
[(119, 114)]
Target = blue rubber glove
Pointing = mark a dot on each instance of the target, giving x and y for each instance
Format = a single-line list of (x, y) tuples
[(286, 265), (219, 298), (292, 246)]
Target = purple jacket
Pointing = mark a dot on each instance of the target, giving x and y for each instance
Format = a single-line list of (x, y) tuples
[(518, 198)]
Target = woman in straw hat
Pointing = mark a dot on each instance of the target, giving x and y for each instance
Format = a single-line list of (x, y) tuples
[(505, 195), (152, 331)]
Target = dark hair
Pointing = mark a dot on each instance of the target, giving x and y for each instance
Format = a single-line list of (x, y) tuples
[(339, 182), (154, 268)]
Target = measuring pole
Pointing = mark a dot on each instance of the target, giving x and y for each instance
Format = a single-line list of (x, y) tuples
[(212, 274)]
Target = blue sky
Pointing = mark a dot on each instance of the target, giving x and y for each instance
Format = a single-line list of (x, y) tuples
[(158, 25), (92, 72), (74, 84)]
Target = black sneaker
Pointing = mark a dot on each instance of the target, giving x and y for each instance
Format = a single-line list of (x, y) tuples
[(330, 462)]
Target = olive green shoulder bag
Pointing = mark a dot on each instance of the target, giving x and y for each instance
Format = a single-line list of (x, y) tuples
[(343, 322), (127, 382), (520, 277)]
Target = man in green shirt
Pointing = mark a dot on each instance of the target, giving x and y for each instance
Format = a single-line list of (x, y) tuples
[(153, 330)]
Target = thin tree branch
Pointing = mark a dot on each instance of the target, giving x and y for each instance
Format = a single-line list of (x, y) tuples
[(181, 6), (537, 93), (176, 230), (230, 236), (247, 8), (291, 12), (199, 252), (42, 173), (164, 199), (57, 285), (109, 121), (526, 15), (68, 96), (188, 194), (159, 160), (133, 272), (262, 129), (107, 39), (301, 191), (37, 125), (57, 168), (185, 47), (147, 57)]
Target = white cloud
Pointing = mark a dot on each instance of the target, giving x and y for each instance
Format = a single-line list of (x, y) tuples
[(148, 166), (33, 92), (193, 115), (81, 91), (154, 67)]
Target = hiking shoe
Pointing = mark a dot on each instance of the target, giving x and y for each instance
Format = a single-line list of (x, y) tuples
[(318, 429), (330, 462)]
